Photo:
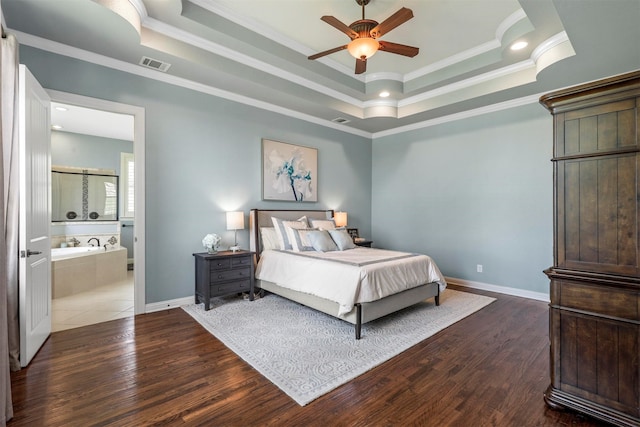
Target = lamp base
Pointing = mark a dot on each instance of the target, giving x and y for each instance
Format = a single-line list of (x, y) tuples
[(234, 248)]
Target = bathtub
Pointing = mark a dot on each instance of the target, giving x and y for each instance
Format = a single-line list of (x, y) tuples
[(64, 253), (85, 268)]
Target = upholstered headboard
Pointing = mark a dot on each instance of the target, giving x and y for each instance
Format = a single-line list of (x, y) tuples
[(262, 218)]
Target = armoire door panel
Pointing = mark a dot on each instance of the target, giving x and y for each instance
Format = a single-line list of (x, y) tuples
[(588, 211), (607, 212), (599, 360), (597, 129), (587, 357), (598, 219), (608, 377), (628, 353), (568, 350)]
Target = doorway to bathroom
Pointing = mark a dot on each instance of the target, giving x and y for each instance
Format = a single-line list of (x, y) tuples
[(98, 266)]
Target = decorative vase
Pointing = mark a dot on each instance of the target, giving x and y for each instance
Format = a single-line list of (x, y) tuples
[(211, 243)]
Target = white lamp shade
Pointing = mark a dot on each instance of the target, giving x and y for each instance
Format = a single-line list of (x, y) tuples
[(365, 46), (340, 218), (235, 220)]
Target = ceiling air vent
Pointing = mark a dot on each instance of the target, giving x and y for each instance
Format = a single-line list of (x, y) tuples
[(340, 120), (154, 64)]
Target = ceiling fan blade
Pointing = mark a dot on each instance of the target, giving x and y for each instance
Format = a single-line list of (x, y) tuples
[(399, 49), (328, 52), (361, 66), (398, 18), (334, 22)]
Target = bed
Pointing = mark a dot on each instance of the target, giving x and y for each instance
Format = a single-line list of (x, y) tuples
[(382, 284)]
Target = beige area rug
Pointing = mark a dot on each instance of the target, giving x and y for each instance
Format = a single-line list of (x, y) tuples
[(307, 353)]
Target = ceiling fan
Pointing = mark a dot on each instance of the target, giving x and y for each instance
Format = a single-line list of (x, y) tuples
[(364, 34)]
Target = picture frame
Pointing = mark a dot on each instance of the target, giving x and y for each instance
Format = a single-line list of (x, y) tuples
[(353, 232), (289, 172)]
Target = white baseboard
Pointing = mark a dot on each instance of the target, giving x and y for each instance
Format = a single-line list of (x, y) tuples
[(165, 305), (540, 296)]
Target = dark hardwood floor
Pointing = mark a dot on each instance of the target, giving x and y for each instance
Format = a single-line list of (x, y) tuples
[(163, 368)]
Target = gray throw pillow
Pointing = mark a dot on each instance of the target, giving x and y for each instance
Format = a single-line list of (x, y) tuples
[(342, 238), (321, 241)]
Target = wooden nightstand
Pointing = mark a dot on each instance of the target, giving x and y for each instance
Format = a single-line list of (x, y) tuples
[(223, 273), (365, 243)]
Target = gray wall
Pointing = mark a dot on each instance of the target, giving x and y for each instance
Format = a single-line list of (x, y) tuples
[(473, 191), (203, 157)]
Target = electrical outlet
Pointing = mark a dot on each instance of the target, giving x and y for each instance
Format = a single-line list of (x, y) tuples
[(479, 268)]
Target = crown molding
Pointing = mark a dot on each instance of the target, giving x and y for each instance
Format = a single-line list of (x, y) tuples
[(140, 7), (509, 22), (470, 82), (218, 49), (506, 105), (548, 45), (452, 60), (93, 58)]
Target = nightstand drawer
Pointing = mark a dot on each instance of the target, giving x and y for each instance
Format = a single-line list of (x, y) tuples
[(233, 274), (241, 261), (227, 288), (220, 264)]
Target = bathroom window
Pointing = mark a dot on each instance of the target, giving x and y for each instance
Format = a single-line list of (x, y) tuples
[(127, 179)]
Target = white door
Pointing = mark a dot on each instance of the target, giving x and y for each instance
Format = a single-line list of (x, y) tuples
[(35, 216)]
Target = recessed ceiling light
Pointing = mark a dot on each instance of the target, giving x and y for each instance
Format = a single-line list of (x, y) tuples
[(519, 45), (56, 127), (59, 108), (384, 94)]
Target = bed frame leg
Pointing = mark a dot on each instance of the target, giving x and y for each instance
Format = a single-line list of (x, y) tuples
[(358, 321), (437, 297)]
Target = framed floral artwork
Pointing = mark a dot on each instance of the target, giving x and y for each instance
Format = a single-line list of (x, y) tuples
[(289, 172)]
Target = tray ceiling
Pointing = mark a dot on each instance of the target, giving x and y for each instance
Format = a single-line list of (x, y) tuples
[(255, 51)]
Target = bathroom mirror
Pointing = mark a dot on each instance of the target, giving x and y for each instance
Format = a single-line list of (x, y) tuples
[(83, 197)]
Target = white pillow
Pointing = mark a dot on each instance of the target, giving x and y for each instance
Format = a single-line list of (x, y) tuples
[(342, 239), (269, 238), (323, 224), (280, 225), (321, 241), (299, 238)]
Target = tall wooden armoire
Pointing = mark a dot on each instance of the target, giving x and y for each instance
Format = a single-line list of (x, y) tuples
[(594, 321)]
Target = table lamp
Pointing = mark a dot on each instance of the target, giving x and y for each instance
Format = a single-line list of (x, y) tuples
[(235, 222), (340, 218)]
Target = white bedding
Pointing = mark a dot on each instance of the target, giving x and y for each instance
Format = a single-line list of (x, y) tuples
[(348, 277)]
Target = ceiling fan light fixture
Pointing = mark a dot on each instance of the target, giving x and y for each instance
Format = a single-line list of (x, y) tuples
[(363, 47)]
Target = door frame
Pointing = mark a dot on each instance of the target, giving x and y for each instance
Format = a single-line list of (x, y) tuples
[(139, 186)]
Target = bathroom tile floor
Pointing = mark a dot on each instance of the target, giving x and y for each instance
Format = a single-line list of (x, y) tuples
[(105, 303)]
